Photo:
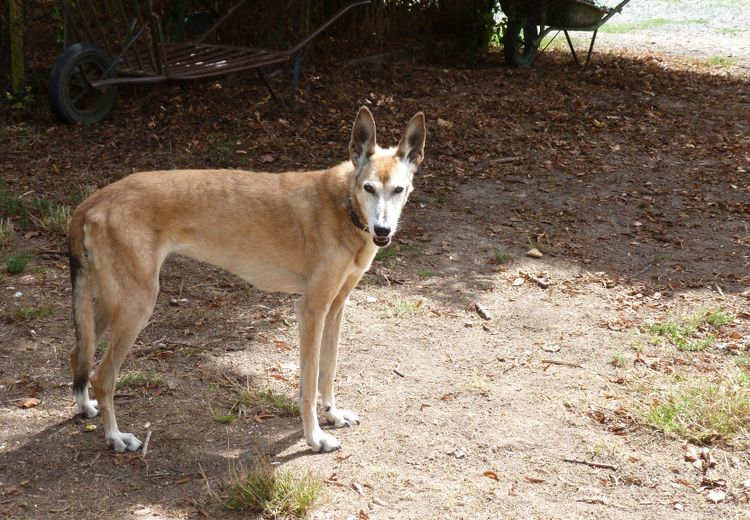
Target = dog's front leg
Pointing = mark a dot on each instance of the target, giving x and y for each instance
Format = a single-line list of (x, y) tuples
[(311, 319), (328, 357)]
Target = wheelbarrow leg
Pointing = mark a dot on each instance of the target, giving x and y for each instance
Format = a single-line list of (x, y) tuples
[(591, 47), (270, 88), (295, 71), (572, 49)]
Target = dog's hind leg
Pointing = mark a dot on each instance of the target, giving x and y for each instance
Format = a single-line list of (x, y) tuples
[(82, 354), (328, 358), (128, 318)]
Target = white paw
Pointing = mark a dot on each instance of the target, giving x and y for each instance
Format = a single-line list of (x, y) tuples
[(123, 442), (88, 409), (322, 441), (339, 418)]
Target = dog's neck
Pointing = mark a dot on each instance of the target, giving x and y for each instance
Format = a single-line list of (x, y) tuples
[(355, 217)]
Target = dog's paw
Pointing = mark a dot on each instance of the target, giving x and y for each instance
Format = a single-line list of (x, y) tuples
[(340, 418), (321, 441), (88, 409), (121, 442)]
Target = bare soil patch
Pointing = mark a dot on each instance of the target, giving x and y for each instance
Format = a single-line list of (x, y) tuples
[(630, 176)]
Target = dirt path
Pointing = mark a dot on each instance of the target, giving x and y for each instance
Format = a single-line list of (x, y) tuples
[(714, 31), (641, 215)]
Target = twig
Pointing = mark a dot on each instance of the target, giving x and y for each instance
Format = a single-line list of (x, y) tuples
[(648, 266), (398, 372), (541, 282), (592, 464), (145, 444), (503, 160), (563, 363)]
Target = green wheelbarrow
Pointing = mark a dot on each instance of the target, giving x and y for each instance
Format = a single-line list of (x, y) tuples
[(530, 21)]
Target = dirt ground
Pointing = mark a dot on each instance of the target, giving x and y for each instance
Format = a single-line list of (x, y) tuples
[(630, 176)]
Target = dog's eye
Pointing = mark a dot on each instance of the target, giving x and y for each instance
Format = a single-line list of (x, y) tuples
[(398, 189), (369, 189)]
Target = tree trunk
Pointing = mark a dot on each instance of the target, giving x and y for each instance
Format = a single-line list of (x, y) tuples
[(15, 18)]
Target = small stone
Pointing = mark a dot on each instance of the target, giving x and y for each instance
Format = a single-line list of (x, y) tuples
[(534, 253), (17, 294)]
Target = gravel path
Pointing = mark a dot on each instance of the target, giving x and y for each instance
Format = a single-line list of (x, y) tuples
[(717, 31)]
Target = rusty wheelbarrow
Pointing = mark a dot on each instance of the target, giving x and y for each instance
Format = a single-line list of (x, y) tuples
[(530, 21), (121, 42)]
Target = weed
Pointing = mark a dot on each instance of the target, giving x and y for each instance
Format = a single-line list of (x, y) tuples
[(55, 220), (20, 101), (481, 385), (719, 318), (11, 205), (606, 448), (412, 249), (7, 232), (16, 263), (720, 61), (403, 309), (225, 419), (700, 409), (140, 380), (101, 347), (438, 198), (427, 273), (742, 362), (682, 331), (274, 493), (619, 360), (266, 399), (386, 256), (501, 257), (212, 387), (33, 313)]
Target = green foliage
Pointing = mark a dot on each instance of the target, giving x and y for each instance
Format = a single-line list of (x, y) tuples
[(16, 263), (140, 380), (700, 409), (274, 493), (693, 332), (22, 101)]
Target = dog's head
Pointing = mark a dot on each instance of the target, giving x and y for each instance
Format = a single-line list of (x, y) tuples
[(383, 177)]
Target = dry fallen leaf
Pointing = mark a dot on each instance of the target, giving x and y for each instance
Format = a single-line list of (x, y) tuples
[(28, 402), (533, 480), (490, 474), (518, 281), (534, 253)]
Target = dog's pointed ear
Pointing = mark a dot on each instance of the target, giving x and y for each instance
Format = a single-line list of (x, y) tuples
[(362, 145), (411, 145)]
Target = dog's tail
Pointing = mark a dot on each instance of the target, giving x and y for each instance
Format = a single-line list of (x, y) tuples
[(82, 354)]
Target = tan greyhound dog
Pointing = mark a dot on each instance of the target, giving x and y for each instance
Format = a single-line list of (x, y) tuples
[(312, 233)]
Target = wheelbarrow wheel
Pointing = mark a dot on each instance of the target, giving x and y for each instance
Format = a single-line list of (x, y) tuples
[(519, 44), (71, 95)]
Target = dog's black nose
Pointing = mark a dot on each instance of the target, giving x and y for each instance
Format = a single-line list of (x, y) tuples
[(382, 231)]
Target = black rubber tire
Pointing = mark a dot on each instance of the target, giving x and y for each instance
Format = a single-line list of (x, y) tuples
[(518, 43), (71, 95)]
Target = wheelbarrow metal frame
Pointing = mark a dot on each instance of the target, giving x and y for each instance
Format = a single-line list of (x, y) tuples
[(532, 17), (142, 55)]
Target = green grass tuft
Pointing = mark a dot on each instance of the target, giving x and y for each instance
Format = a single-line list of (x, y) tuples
[(33, 313), (692, 333), (702, 410), (17, 263), (149, 379), (266, 399), (225, 418), (404, 309), (427, 273), (501, 257), (275, 493)]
